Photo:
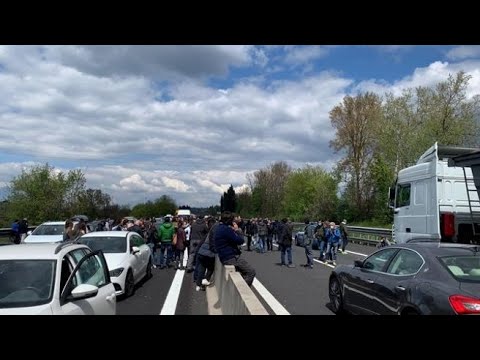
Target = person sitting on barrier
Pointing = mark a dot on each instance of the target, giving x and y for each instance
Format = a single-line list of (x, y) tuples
[(227, 244)]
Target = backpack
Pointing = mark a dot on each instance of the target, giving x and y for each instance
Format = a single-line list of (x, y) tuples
[(320, 232)]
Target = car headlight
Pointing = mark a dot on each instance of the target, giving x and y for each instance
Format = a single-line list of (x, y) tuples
[(116, 272)]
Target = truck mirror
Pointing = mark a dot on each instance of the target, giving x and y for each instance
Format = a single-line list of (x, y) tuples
[(391, 198)]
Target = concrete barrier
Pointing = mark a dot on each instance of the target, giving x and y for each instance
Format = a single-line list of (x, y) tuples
[(232, 294)]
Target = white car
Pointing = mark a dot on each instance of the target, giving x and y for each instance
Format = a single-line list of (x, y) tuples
[(51, 231), (127, 255), (54, 279)]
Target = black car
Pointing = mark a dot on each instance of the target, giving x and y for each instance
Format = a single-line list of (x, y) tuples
[(410, 279)]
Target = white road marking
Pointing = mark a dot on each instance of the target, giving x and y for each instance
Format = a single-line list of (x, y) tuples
[(356, 253), (170, 305), (318, 261), (277, 308)]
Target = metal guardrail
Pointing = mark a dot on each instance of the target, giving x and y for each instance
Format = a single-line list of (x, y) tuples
[(362, 235), (5, 232), (367, 236)]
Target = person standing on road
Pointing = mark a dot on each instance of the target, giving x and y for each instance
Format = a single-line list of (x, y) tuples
[(227, 244), (198, 232), (333, 238), (165, 234), (344, 235), (309, 233), (284, 241), (206, 257), (180, 246), (23, 229)]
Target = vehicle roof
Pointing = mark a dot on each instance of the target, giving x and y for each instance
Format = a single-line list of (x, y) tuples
[(439, 249), (53, 223), (33, 251), (107, 234)]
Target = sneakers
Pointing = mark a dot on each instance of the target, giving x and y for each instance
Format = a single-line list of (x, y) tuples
[(334, 263), (291, 266), (198, 288), (154, 266), (205, 282)]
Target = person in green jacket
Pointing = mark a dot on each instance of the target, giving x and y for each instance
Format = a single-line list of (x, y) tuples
[(166, 235)]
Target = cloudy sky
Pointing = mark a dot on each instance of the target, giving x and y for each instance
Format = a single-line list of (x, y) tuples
[(188, 121)]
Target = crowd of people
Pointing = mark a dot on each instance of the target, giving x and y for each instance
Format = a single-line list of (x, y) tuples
[(204, 237)]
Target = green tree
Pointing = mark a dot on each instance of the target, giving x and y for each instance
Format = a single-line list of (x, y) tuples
[(310, 192), (41, 193), (355, 121)]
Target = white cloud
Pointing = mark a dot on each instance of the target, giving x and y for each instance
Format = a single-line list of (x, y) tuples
[(427, 76), (137, 137), (464, 52), (299, 55)]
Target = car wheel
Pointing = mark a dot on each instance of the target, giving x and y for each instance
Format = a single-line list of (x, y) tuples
[(335, 294), (129, 284), (148, 272)]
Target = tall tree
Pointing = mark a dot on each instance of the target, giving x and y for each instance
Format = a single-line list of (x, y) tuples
[(355, 121)]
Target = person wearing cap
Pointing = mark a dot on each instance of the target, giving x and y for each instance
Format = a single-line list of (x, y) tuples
[(344, 235)]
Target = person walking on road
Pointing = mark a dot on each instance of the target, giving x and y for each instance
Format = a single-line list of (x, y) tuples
[(333, 238), (344, 235), (165, 233)]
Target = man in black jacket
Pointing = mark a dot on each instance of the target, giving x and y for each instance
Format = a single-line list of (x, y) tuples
[(285, 242)]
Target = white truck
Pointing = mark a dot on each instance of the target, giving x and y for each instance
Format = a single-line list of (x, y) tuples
[(438, 198)]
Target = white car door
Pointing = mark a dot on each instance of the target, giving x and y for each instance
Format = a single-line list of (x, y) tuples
[(92, 270), (142, 257)]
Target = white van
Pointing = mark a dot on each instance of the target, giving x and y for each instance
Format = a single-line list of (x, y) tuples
[(437, 198)]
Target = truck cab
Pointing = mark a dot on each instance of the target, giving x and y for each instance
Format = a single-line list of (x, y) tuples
[(438, 197)]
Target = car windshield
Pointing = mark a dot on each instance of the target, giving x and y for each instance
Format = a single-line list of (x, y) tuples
[(49, 230), (108, 244), (25, 283), (463, 268)]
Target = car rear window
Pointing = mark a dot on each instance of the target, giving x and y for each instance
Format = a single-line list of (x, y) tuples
[(108, 244), (49, 230), (463, 268)]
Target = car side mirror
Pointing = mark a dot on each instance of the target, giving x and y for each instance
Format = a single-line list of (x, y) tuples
[(135, 250), (83, 291), (29, 232), (358, 263)]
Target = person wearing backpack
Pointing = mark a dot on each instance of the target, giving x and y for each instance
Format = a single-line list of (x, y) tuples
[(309, 235)]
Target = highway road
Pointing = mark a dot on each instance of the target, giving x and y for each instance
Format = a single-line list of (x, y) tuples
[(283, 291)]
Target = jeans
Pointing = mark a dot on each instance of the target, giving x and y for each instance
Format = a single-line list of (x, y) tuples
[(308, 252), (332, 251), (243, 267), (179, 257), (344, 243), (169, 248), (286, 249), (322, 246), (261, 243), (152, 250), (269, 243), (192, 253), (204, 263)]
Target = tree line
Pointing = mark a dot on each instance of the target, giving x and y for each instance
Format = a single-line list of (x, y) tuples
[(376, 137), (42, 193)]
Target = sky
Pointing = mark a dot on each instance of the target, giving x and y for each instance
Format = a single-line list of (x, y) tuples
[(188, 121)]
